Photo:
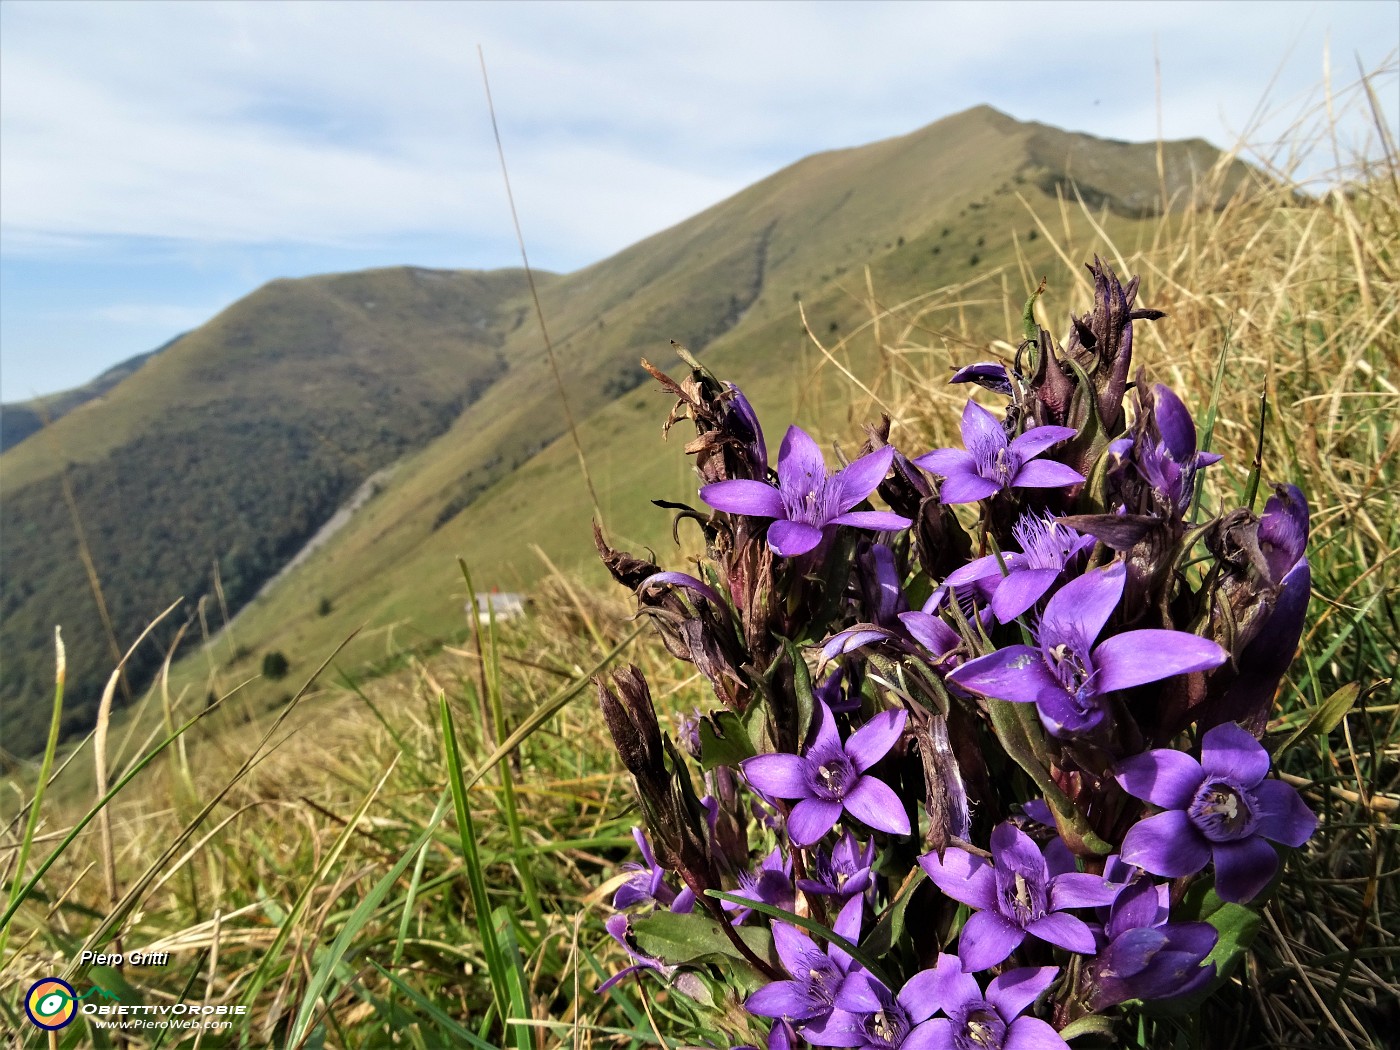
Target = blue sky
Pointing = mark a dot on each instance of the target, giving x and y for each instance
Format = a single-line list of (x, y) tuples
[(160, 160)]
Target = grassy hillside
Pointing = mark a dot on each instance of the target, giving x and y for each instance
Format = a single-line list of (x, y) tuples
[(220, 458), (967, 206)]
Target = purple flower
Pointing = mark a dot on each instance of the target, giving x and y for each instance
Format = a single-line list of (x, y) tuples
[(993, 1022), (620, 929), (770, 884), (817, 975), (1065, 675), (1147, 958), (843, 871), (1047, 547), (990, 375), (991, 464), (807, 499), (1164, 449), (647, 884), (878, 1019), (1221, 808), (1019, 892), (742, 422), (830, 778)]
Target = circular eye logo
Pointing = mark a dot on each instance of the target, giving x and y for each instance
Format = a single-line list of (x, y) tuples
[(51, 1004)]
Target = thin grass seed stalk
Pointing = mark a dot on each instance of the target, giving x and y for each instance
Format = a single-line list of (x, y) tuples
[(1005, 764)]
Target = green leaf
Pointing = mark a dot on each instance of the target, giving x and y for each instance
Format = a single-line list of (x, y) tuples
[(811, 926), (1029, 328), (890, 928), (802, 685), (1093, 1024), (690, 939), (1323, 718), (724, 740)]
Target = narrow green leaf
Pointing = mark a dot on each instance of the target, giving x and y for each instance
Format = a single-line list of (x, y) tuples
[(724, 740), (1323, 718), (686, 939)]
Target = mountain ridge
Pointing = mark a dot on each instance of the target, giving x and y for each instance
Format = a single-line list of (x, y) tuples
[(376, 368)]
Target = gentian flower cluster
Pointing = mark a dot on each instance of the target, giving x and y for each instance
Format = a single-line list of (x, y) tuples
[(997, 707)]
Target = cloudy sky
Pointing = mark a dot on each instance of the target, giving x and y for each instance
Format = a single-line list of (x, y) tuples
[(160, 160)]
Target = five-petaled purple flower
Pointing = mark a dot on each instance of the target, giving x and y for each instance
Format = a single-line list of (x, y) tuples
[(807, 499), (1221, 808), (1020, 891), (991, 463), (843, 871), (817, 976), (1047, 547), (830, 778), (991, 1022), (1065, 675)]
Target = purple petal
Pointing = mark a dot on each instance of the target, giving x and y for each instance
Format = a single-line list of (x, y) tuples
[(1017, 673), (1064, 715), (1081, 607), (1283, 815), (1035, 441), (1081, 890), (980, 429), (1167, 844), (978, 569), (872, 741), (1174, 423), (987, 939), (851, 639), (1243, 868), (861, 993), (1031, 1033), (791, 999), (874, 803), (875, 520), (860, 478), (1137, 657), (840, 1028), (947, 461), (936, 1034), (1019, 591), (946, 987), (1163, 777), (1015, 990), (915, 997), (792, 945), (828, 737), (1231, 752), (812, 818), (778, 775), (847, 926), (681, 579), (801, 464), (1013, 848), (989, 374), (739, 496), (1062, 929), (962, 876), (930, 632), (1045, 474), (966, 488), (791, 538), (1138, 906)]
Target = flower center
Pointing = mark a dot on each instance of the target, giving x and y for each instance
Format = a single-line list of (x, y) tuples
[(1022, 896), (1223, 811), (832, 774), (887, 1027), (983, 1029)]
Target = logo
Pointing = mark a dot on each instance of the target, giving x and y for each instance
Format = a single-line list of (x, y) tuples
[(51, 1004)]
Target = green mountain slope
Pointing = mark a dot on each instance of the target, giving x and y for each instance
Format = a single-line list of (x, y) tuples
[(922, 211), (231, 448)]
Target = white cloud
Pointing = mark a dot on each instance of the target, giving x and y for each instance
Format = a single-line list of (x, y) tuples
[(353, 123)]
